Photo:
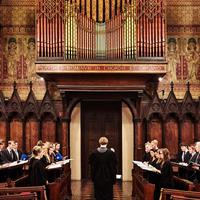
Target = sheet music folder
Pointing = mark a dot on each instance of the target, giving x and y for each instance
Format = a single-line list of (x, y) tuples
[(145, 166), (58, 164)]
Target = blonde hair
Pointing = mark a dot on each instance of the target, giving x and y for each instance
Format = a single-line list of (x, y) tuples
[(36, 150), (103, 140)]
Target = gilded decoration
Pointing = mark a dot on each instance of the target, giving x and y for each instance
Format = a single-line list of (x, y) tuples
[(183, 48), (183, 56), (17, 44), (17, 49)]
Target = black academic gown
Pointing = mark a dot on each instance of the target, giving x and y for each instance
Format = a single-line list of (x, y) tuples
[(37, 173), (103, 173), (165, 179), (6, 156)]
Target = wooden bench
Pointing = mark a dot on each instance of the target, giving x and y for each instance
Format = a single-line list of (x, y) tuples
[(31, 196), (40, 190), (176, 197), (167, 193)]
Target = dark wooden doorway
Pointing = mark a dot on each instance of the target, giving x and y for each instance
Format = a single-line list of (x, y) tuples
[(100, 118)]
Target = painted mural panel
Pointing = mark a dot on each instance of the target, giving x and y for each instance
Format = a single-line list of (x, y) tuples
[(17, 49)]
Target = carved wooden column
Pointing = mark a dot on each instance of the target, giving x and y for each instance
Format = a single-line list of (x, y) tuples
[(24, 135), (65, 125), (180, 126), (196, 130), (138, 144), (7, 131), (40, 130), (163, 132)]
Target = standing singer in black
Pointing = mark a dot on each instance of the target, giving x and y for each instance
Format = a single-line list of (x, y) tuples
[(103, 164)]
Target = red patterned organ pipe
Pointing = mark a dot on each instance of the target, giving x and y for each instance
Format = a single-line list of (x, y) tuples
[(50, 28), (151, 28)]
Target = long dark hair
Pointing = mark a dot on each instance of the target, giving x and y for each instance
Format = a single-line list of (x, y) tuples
[(166, 155)]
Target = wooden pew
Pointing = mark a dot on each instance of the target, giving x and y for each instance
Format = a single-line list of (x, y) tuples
[(31, 196), (167, 193), (142, 188), (183, 184), (40, 190), (176, 197)]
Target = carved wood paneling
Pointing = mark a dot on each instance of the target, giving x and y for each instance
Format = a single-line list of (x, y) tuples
[(49, 131), (155, 130), (32, 134), (16, 132), (187, 133), (171, 136), (198, 130), (3, 131), (3, 114)]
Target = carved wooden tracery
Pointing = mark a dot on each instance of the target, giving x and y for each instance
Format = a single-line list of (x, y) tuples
[(179, 121)]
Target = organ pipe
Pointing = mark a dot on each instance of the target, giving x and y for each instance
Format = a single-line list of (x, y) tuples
[(127, 29)]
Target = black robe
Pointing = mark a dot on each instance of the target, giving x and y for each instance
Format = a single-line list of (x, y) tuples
[(37, 173), (103, 173), (165, 179)]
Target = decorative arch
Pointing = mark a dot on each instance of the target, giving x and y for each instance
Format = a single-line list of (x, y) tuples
[(15, 117), (31, 120)]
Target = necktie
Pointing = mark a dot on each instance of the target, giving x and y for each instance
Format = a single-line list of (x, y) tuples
[(197, 158), (183, 157), (11, 154)]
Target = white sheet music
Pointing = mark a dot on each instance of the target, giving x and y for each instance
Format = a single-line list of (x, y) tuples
[(58, 164), (13, 164), (145, 166)]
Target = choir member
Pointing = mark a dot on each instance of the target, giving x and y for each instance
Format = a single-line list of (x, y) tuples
[(57, 152), (8, 154), (17, 152), (2, 145), (154, 144), (197, 146), (184, 155), (153, 158), (155, 163), (45, 158), (103, 170), (147, 156), (193, 153), (40, 143), (37, 173), (165, 179), (51, 154), (196, 164), (158, 162)]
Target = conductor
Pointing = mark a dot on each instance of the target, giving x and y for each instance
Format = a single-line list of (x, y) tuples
[(103, 170)]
